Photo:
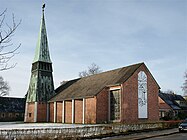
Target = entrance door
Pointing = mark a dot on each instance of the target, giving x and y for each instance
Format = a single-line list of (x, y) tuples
[(115, 105)]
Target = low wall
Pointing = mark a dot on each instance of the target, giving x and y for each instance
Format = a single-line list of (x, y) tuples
[(86, 131)]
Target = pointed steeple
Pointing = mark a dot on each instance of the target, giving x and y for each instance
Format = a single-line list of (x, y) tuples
[(41, 86), (42, 50)]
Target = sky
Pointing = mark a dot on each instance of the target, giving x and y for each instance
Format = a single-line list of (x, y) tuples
[(109, 33)]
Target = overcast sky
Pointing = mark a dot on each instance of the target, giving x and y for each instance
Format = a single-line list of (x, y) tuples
[(110, 33)]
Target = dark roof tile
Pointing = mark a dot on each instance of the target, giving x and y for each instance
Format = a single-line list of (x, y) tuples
[(13, 105), (171, 100), (91, 85)]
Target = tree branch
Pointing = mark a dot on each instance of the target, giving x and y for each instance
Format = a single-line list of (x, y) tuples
[(6, 33)]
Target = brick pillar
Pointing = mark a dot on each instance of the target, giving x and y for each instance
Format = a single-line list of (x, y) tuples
[(73, 110), (54, 112), (63, 111), (26, 108), (35, 111), (121, 111), (83, 111)]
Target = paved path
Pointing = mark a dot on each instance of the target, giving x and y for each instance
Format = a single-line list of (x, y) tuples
[(177, 136), (144, 135)]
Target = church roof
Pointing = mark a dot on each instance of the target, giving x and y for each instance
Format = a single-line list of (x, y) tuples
[(91, 85), (12, 105), (42, 50)]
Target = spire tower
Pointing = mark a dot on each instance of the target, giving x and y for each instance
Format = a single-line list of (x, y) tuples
[(41, 86)]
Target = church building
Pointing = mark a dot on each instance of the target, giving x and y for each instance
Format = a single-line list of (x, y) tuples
[(124, 95)]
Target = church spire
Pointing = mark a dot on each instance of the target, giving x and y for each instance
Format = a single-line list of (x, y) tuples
[(41, 86), (42, 50)]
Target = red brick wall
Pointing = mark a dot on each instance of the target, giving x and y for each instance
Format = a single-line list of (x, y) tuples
[(153, 108), (162, 104), (51, 112), (102, 106), (68, 111), (30, 109), (59, 112), (42, 112), (129, 100), (90, 110), (129, 104), (78, 111)]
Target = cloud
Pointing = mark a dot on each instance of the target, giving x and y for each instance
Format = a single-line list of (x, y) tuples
[(110, 33)]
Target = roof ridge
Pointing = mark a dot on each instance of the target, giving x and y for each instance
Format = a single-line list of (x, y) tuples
[(13, 97), (115, 69)]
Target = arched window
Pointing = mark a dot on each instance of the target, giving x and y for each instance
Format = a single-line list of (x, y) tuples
[(142, 95)]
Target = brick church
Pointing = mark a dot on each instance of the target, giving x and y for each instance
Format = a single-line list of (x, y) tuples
[(127, 94)]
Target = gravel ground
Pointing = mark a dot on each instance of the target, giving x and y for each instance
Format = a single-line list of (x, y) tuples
[(22, 125)]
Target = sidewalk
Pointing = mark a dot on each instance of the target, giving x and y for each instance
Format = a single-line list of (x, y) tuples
[(144, 135)]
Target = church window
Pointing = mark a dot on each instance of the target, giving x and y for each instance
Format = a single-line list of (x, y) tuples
[(30, 114), (115, 98), (3, 115), (142, 95)]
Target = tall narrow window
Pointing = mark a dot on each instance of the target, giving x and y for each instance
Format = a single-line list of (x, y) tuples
[(115, 105), (142, 95)]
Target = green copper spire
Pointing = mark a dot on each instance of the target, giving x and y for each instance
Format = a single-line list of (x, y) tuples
[(41, 86), (42, 50)]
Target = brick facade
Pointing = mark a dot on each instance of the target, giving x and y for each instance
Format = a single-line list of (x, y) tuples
[(78, 111), (90, 110), (129, 112), (42, 112), (68, 111), (59, 111), (97, 109), (30, 112), (102, 106)]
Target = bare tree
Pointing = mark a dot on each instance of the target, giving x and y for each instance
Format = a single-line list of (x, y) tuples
[(92, 69), (169, 91), (7, 50), (4, 87), (184, 87)]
